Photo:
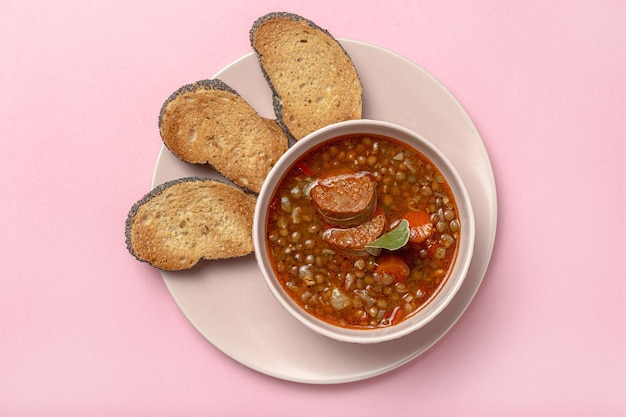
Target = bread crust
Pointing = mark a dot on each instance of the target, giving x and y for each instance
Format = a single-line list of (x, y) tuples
[(188, 219), (208, 122), (313, 80)]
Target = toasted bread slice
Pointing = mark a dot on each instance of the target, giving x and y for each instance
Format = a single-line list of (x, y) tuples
[(209, 122), (312, 78), (188, 219)]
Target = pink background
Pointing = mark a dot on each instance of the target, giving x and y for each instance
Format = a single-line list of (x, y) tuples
[(87, 330)]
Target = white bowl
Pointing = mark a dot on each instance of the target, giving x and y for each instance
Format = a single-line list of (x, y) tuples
[(464, 251)]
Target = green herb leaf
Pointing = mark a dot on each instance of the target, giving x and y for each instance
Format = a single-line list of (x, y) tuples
[(392, 240)]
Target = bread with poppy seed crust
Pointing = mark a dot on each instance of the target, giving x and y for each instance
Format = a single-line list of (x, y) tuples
[(209, 122), (188, 219), (313, 79)]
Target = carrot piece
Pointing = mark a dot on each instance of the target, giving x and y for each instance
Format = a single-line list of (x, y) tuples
[(304, 168), (420, 226), (394, 266)]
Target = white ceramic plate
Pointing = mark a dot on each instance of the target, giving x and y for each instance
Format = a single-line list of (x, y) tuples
[(228, 301)]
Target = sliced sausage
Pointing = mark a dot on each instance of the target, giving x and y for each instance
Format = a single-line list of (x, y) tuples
[(345, 200), (354, 239)]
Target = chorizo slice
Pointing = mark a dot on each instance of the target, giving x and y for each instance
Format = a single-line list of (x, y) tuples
[(354, 239), (345, 200)]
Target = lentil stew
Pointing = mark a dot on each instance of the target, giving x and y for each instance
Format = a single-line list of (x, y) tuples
[(339, 197)]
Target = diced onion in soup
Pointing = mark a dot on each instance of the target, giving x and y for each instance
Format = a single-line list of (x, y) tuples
[(338, 300)]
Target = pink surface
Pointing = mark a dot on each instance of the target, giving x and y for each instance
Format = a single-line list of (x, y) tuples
[(87, 330)]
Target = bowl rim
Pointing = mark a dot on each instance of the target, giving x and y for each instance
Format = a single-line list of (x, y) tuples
[(462, 260)]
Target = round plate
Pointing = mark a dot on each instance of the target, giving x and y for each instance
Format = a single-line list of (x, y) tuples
[(228, 301)]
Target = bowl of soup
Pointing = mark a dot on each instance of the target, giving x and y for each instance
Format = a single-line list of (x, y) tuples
[(364, 231)]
